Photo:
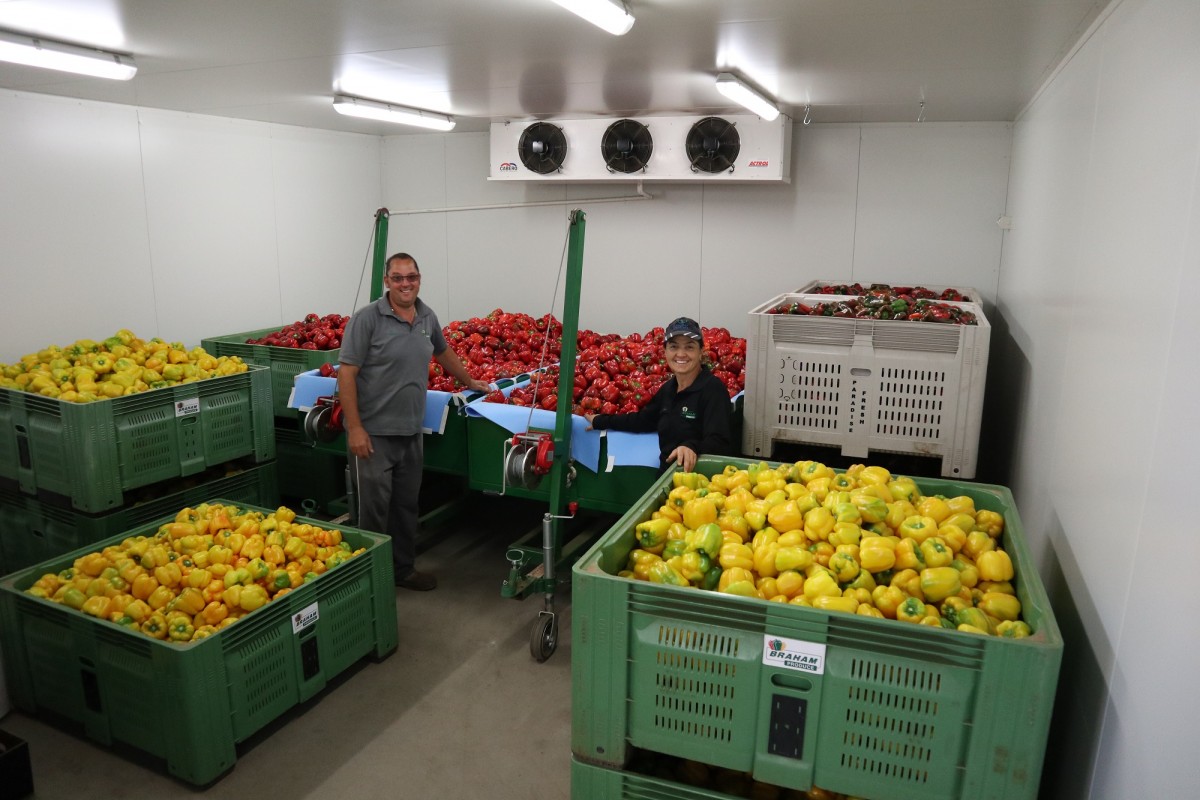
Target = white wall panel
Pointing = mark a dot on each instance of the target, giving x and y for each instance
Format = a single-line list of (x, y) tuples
[(73, 256), (1051, 155), (928, 200), (327, 187), (713, 251), (210, 207), (1094, 291), (762, 241), (642, 260)]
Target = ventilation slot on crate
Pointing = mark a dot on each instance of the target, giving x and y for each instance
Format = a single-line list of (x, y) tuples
[(891, 716), (911, 403), (812, 330), (923, 337), (810, 394), (146, 442), (694, 689), (227, 417), (265, 662)]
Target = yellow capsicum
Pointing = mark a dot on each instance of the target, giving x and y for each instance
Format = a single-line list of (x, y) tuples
[(877, 553), (845, 605), (707, 539), (939, 583), (736, 555), (820, 582), (792, 557), (844, 566), (989, 522), (662, 572), (911, 610), (818, 524), (650, 534), (1003, 607), (918, 527), (1010, 629), (936, 553), (887, 599), (995, 565)]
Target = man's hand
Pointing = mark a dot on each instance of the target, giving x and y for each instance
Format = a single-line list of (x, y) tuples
[(684, 456), (479, 386), (359, 442)]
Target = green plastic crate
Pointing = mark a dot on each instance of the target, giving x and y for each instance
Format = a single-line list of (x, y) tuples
[(591, 782), (285, 363), (35, 531), (900, 712), (307, 472), (191, 704), (90, 455)]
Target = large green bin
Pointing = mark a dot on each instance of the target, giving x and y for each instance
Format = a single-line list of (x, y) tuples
[(35, 531), (89, 455), (896, 712), (308, 472), (190, 704), (285, 363)]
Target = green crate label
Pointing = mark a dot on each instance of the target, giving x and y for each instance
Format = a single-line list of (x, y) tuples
[(184, 408), (793, 654), (304, 618)]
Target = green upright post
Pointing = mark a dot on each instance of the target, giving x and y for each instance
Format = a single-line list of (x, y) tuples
[(379, 260), (566, 365)]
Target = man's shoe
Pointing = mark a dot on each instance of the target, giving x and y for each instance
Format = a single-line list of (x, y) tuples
[(418, 581)]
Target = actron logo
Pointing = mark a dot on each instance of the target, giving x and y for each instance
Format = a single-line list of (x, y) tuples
[(759, 164), (508, 166)]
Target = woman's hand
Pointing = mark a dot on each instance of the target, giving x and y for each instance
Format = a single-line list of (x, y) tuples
[(589, 418), (684, 456)]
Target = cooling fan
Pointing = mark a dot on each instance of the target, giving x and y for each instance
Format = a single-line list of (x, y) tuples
[(626, 146), (712, 145), (543, 148)]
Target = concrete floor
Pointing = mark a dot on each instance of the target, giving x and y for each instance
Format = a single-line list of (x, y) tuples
[(460, 710)]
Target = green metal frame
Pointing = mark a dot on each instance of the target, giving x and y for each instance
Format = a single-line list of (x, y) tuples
[(527, 556), (379, 260)]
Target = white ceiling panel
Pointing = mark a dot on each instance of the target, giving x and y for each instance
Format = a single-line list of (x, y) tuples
[(490, 60)]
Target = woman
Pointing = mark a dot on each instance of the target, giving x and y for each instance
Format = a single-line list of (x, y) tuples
[(690, 411)]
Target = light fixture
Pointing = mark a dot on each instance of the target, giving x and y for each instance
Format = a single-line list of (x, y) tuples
[(371, 109), (729, 85), (613, 17), (35, 51)]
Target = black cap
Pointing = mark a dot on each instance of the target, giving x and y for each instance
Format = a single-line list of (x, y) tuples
[(683, 326)]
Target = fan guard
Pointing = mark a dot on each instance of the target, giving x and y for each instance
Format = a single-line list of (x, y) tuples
[(543, 148), (626, 146), (712, 145)]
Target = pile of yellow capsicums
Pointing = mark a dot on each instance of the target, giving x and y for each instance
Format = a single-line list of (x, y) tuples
[(198, 574), (859, 542)]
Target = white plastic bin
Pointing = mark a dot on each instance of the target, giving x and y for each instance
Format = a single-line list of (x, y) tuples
[(866, 385)]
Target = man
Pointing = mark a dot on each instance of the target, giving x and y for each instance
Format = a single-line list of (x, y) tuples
[(690, 411), (382, 377)]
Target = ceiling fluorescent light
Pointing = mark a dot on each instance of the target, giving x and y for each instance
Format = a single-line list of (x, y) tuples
[(370, 109), (35, 51), (729, 85), (612, 16)]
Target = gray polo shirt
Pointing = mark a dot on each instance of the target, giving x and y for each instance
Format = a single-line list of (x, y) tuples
[(392, 357)]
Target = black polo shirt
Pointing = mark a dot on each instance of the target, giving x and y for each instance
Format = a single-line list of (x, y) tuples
[(697, 417)]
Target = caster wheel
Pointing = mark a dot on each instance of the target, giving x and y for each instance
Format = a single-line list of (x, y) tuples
[(544, 638)]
